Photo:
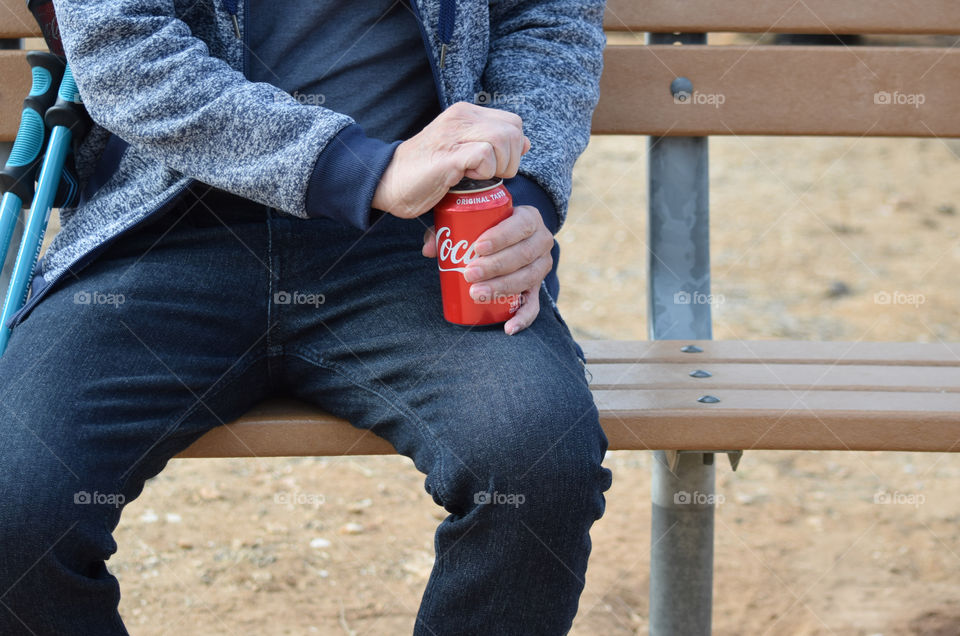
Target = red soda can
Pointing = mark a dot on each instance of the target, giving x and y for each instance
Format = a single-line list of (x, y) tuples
[(470, 208)]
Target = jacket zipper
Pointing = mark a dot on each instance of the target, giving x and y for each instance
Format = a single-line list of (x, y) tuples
[(446, 22), (231, 6), (243, 39)]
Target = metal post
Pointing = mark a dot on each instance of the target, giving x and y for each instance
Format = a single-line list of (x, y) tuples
[(681, 556)]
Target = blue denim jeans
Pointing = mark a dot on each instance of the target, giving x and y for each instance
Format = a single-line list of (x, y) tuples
[(187, 322)]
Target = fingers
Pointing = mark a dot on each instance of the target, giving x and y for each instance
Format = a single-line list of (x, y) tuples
[(513, 256), (526, 314), (514, 282), (501, 129), (476, 160), (525, 222)]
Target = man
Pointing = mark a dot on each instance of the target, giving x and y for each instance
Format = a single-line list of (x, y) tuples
[(245, 154)]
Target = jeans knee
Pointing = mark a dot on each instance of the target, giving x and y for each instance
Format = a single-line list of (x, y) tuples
[(54, 522), (543, 456)]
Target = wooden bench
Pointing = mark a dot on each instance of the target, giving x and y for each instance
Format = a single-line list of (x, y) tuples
[(681, 393), (773, 395)]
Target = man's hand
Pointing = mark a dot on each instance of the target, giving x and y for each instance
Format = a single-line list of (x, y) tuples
[(465, 140), (513, 257)]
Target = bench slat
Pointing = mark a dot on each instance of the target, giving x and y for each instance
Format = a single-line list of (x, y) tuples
[(892, 396), (780, 90), (16, 21), (288, 428), (701, 16), (784, 16), (774, 376), (767, 90), (781, 420), (14, 85), (774, 351), (651, 419)]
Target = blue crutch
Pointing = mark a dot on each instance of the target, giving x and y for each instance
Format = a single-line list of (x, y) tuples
[(18, 175), (65, 117)]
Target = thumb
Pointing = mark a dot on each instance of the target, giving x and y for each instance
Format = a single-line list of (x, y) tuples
[(429, 243)]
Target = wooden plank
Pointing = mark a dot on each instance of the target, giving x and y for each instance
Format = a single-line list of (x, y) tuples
[(774, 351), (777, 420), (774, 376), (288, 428), (839, 396), (14, 85), (701, 16), (651, 419), (16, 21), (784, 16), (765, 90), (780, 90)]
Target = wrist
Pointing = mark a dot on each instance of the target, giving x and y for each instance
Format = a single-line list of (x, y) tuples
[(346, 175), (382, 197)]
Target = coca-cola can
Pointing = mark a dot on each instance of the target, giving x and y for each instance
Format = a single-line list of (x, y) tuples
[(470, 208)]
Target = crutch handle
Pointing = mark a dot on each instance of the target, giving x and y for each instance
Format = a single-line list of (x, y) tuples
[(18, 175), (68, 111)]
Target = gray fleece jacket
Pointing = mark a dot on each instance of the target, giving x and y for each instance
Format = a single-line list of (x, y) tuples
[(163, 81)]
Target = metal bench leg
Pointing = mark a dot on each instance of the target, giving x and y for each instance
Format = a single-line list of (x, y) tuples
[(681, 556)]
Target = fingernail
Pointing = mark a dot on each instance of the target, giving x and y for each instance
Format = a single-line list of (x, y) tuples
[(473, 273), (480, 293)]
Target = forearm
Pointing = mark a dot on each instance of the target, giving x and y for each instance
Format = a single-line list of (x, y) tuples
[(144, 77)]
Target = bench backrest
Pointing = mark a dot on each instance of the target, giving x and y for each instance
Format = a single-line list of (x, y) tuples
[(737, 90)]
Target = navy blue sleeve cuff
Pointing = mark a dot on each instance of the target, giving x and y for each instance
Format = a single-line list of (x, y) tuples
[(346, 176), (525, 191)]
